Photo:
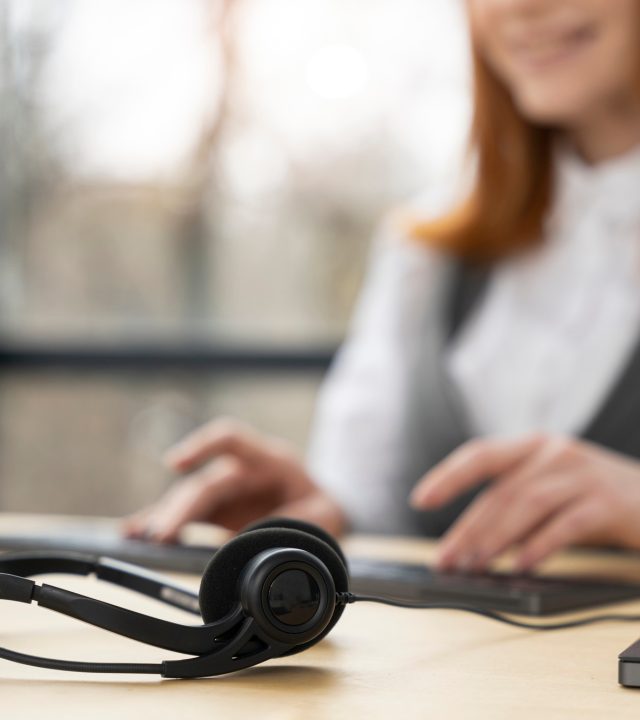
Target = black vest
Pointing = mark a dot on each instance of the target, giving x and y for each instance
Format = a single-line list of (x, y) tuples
[(436, 422)]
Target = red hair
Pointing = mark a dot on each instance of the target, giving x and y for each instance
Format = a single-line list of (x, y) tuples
[(512, 190)]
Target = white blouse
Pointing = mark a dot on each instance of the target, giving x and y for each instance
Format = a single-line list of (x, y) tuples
[(541, 350)]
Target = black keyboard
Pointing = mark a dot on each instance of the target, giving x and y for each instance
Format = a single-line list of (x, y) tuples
[(521, 594), (403, 581)]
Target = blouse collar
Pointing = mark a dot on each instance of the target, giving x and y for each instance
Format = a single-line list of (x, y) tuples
[(611, 187)]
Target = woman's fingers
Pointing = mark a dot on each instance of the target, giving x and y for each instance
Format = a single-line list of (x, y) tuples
[(135, 525), (579, 521), (547, 493), (234, 476), (195, 498), (469, 465), (505, 514), (220, 437)]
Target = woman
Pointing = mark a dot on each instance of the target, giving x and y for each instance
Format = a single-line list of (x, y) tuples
[(494, 349)]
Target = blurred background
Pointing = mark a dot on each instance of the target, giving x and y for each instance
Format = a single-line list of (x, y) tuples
[(187, 194)]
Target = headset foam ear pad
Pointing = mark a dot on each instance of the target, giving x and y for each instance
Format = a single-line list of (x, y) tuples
[(291, 524), (219, 591)]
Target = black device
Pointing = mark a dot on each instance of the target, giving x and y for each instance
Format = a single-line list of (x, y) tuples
[(523, 595), (629, 666), (274, 590)]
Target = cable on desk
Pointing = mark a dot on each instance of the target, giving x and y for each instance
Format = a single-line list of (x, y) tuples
[(348, 598)]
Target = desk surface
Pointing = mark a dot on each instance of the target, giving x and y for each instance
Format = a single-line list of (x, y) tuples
[(377, 661)]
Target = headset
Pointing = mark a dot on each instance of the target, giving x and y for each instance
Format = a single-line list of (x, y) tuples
[(275, 589)]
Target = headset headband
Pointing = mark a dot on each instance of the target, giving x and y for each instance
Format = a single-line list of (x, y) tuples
[(269, 592), (203, 640)]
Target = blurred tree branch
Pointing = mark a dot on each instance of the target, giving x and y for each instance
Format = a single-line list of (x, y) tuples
[(27, 168), (194, 229)]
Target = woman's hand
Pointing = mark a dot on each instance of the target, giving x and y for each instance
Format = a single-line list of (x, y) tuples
[(233, 476), (545, 493)]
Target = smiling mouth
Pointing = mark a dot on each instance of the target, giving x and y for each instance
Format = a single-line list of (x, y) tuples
[(545, 51)]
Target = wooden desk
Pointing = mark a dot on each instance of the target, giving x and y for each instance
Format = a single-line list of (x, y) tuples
[(377, 662)]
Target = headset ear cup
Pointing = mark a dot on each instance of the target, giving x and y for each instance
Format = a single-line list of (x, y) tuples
[(302, 526), (219, 588)]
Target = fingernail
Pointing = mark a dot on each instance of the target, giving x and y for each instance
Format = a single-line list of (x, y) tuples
[(446, 554), (415, 501), (421, 498), (153, 532), (445, 566), (173, 457), (522, 564), (444, 561), (465, 562), (479, 561), (146, 534)]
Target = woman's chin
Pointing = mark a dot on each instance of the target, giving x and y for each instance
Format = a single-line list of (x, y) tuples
[(552, 109)]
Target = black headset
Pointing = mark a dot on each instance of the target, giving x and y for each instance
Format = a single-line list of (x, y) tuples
[(275, 589)]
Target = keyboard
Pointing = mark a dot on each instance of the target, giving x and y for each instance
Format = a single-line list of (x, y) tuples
[(524, 595), (519, 594)]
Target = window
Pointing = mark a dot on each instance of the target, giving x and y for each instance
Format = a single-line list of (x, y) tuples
[(187, 193)]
